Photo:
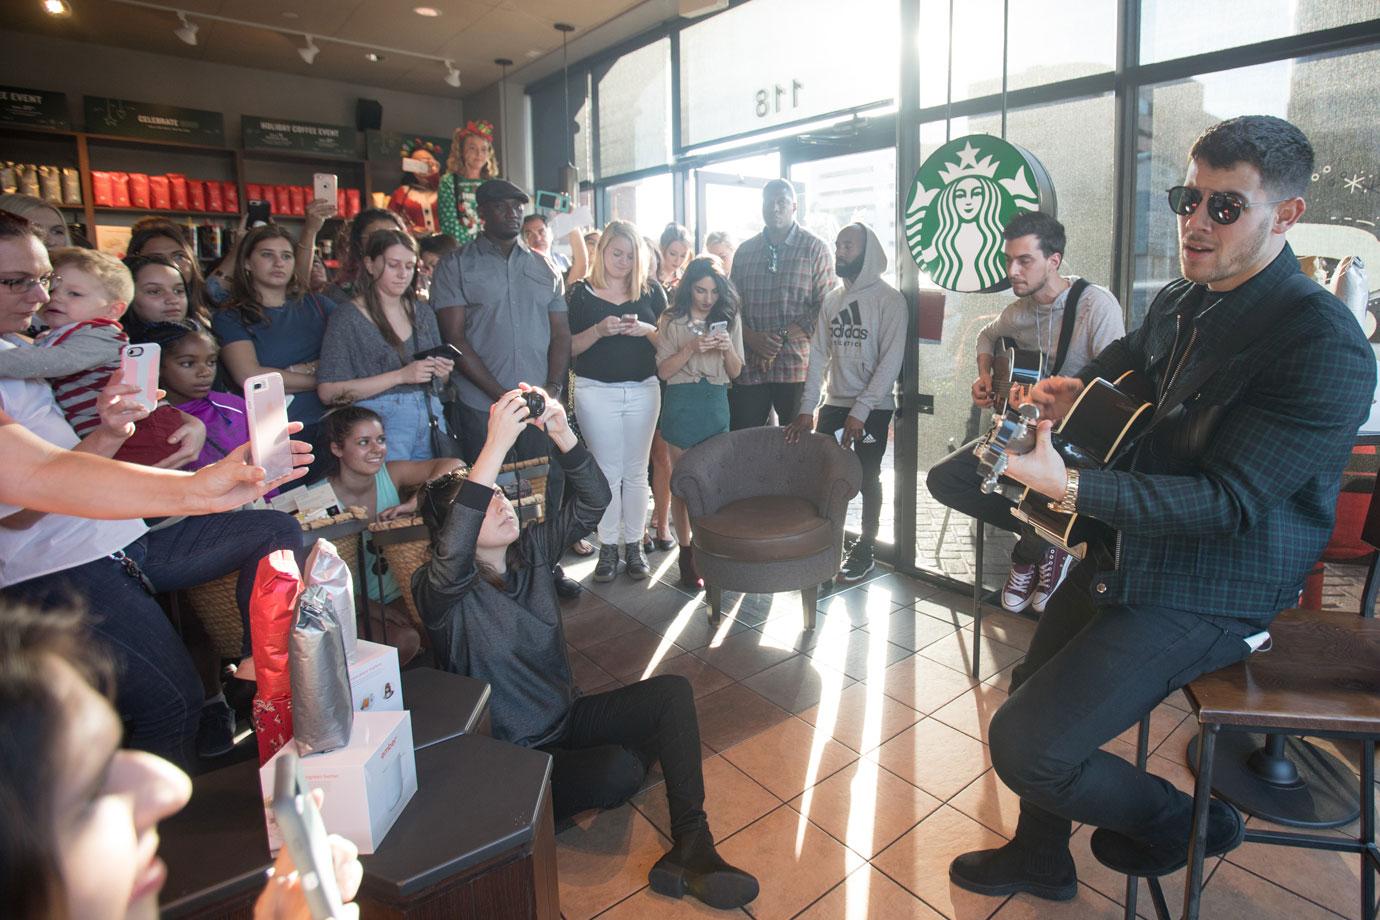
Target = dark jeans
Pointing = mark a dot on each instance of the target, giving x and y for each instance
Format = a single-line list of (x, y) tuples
[(613, 738), (954, 482), (473, 428), (750, 406), (878, 425), (158, 692), (1091, 674)]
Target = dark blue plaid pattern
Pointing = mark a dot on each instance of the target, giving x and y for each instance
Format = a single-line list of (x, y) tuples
[(1232, 527)]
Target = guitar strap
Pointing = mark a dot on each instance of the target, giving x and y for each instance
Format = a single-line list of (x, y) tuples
[(1293, 288), (1066, 327)]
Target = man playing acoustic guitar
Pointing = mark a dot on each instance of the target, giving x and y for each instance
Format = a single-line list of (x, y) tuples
[(1062, 322), (1219, 510)]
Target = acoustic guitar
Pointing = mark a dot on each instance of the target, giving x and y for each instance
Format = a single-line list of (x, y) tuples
[(1104, 421), (1020, 366)]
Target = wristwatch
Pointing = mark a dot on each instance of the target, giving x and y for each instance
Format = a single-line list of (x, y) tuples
[(1069, 503)]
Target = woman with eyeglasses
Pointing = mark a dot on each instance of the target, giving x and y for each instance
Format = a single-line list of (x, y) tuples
[(490, 606)]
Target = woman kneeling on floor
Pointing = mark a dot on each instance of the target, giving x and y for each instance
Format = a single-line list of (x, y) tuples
[(490, 606)]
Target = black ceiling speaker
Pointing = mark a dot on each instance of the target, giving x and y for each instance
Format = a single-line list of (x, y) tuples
[(369, 115)]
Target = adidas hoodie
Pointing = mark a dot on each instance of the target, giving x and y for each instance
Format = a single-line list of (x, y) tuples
[(859, 343)]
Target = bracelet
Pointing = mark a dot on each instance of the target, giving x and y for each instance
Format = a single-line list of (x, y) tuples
[(1068, 504)]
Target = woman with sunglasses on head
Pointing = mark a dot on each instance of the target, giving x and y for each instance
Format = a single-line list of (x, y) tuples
[(490, 606), (78, 813)]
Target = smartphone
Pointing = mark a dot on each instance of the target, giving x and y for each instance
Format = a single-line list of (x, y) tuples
[(304, 835), (259, 213), (630, 317), (447, 351), (139, 367), (266, 406), (323, 186), (716, 328)]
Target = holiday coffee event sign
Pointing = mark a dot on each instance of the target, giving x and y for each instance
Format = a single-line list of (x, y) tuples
[(309, 137), (963, 195)]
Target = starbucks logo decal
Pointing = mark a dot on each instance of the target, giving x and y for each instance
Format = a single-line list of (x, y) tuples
[(962, 197)]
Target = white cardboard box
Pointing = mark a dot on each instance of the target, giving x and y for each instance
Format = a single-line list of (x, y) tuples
[(375, 680), (367, 783)]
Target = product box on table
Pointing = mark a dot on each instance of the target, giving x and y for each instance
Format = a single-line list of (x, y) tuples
[(367, 783), (375, 680)]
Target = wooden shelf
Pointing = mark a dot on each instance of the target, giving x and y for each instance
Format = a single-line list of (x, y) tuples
[(181, 146), (164, 212)]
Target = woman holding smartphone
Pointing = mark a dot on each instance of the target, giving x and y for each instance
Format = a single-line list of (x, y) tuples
[(699, 350), (370, 355), (613, 319)]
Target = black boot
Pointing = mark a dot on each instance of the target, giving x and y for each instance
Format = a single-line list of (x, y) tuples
[(1046, 872), (566, 587), (695, 868), (1166, 850), (690, 577)]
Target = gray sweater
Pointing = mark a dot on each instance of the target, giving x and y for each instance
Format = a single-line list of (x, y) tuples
[(511, 636), (353, 347), (1036, 326)]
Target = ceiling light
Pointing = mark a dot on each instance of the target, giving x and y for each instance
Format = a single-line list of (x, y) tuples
[(452, 75), (374, 56), (310, 52), (56, 8), (186, 31), (430, 12), (291, 14)]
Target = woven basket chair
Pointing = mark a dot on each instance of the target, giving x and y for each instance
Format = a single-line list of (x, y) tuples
[(404, 558)]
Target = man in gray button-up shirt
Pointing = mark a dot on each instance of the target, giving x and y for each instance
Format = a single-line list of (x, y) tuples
[(504, 307)]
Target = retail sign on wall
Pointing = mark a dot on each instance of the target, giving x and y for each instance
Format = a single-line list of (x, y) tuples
[(393, 146), (258, 133), (33, 108), (963, 195), (153, 122)]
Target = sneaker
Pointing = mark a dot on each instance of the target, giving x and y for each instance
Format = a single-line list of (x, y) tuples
[(1054, 568), (637, 567), (1019, 589), (607, 567), (858, 562)]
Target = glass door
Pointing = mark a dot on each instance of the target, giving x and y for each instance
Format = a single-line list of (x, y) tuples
[(728, 197)]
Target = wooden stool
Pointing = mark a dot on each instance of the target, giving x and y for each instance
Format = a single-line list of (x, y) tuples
[(1321, 678)]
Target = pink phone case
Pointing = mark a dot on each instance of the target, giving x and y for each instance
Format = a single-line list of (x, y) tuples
[(266, 407), (139, 367), (324, 185)]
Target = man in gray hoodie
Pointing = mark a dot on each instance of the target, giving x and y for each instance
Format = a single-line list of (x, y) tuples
[(855, 356)]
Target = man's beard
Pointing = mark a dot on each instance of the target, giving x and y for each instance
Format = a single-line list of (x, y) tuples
[(848, 270)]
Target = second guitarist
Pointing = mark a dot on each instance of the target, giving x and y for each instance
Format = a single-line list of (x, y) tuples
[(1038, 320)]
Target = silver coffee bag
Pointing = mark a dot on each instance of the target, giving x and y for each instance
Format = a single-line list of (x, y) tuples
[(323, 710), (325, 569)]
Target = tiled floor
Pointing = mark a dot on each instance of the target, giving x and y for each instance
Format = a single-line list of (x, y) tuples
[(846, 767)]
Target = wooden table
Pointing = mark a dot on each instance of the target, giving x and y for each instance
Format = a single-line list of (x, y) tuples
[(217, 847)]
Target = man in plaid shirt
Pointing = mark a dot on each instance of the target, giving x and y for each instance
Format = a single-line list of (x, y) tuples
[(1262, 380), (782, 275)]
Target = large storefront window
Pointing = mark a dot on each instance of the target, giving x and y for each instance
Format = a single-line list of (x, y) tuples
[(1041, 47), (1083, 180), (649, 203), (1331, 98), (1166, 33), (635, 110), (774, 62)]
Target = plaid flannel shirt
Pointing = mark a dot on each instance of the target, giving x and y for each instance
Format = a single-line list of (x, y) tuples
[(781, 285), (1224, 507)]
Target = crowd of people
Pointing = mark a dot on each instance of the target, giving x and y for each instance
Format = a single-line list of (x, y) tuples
[(424, 367)]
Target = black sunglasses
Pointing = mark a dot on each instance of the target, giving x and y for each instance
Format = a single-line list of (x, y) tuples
[(1223, 207)]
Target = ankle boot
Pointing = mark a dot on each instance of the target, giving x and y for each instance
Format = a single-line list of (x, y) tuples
[(694, 867), (689, 573), (1044, 872)]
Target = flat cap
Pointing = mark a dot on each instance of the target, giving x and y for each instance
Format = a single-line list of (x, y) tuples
[(499, 190)]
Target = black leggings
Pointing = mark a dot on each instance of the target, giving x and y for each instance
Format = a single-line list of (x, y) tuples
[(611, 741)]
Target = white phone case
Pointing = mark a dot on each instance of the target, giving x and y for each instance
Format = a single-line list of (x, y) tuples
[(139, 367), (266, 407), (324, 186)]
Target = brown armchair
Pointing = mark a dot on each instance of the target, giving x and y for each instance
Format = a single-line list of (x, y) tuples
[(767, 516)]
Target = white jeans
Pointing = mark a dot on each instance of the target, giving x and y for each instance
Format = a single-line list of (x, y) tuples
[(618, 421)]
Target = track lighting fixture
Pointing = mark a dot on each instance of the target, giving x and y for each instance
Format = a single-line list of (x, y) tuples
[(310, 52), (186, 31), (452, 75)]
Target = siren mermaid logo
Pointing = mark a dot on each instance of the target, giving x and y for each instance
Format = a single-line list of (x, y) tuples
[(963, 196)]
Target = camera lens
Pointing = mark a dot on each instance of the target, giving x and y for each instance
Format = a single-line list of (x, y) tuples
[(536, 403)]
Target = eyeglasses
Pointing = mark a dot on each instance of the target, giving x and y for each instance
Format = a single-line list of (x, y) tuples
[(1223, 207), (25, 285)]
